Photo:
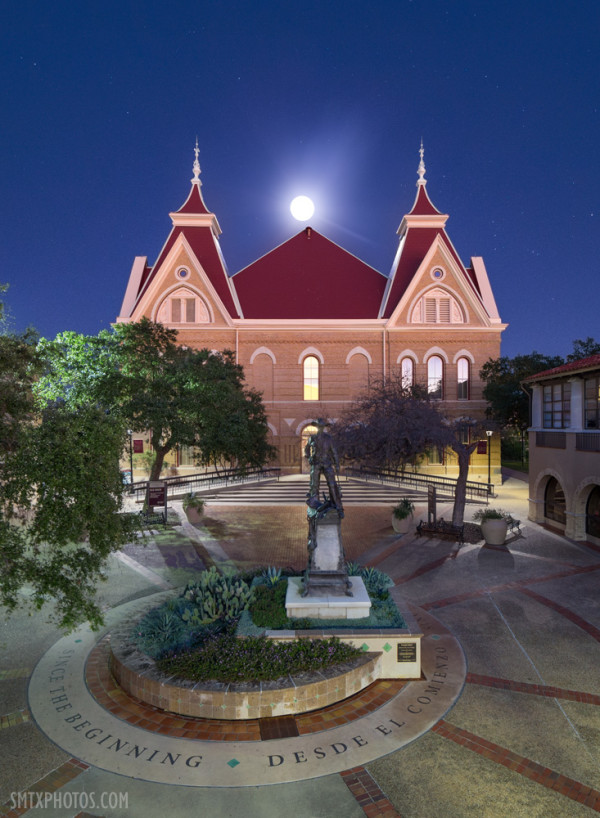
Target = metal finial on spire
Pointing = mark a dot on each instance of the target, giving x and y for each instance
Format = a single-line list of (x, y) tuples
[(421, 171), (196, 166)]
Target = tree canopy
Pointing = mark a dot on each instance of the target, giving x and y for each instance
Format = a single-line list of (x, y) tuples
[(391, 426), (180, 396), (508, 404)]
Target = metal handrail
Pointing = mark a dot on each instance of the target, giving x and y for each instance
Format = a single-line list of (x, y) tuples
[(446, 486), (184, 484)]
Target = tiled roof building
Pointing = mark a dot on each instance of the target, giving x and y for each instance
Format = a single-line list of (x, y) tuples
[(311, 323)]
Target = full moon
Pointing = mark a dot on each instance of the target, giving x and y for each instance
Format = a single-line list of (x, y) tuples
[(302, 208)]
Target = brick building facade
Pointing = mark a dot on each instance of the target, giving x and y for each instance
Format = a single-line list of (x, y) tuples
[(311, 323)]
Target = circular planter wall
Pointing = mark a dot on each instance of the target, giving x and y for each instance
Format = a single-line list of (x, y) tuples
[(138, 675)]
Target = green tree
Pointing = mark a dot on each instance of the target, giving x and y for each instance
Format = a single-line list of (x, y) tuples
[(180, 396), (583, 348), (61, 494), (508, 404), (391, 426)]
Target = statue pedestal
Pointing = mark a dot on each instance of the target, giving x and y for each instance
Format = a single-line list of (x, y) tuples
[(327, 602)]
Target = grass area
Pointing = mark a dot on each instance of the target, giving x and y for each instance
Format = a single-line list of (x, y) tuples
[(516, 465)]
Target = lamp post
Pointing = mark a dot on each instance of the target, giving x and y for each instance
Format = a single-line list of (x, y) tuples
[(489, 434), (130, 433)]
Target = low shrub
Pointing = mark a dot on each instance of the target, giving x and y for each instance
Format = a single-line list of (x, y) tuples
[(227, 659)]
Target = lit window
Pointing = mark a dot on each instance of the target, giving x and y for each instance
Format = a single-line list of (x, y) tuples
[(462, 374), (435, 376), (311, 378), (408, 372)]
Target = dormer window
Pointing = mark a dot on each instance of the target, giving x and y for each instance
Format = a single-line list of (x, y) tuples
[(183, 307), (437, 307)]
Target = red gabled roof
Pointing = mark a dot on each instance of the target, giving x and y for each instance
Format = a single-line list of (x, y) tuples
[(309, 277), (204, 245), (583, 364)]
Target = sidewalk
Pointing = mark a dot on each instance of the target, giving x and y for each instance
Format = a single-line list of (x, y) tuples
[(522, 740)]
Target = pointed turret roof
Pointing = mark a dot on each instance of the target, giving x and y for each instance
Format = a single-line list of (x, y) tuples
[(418, 230), (201, 230)]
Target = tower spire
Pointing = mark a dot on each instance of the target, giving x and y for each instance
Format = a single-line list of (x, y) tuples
[(421, 171), (196, 166)]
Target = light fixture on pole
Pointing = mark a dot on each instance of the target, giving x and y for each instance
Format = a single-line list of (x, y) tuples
[(130, 433), (489, 434)]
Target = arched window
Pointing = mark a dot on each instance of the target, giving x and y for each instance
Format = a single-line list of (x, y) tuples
[(262, 368), (408, 372), (438, 306), (435, 377), (358, 374), (311, 377), (554, 501), (462, 376), (592, 513), (183, 307)]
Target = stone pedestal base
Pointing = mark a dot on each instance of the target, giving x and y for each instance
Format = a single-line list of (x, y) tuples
[(327, 605)]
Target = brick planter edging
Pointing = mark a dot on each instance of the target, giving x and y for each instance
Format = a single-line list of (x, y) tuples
[(138, 675)]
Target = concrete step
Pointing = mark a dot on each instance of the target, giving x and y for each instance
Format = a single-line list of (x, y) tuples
[(292, 492)]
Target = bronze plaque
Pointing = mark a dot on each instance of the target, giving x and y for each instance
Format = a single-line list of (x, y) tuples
[(407, 651)]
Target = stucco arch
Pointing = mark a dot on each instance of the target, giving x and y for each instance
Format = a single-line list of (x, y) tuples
[(273, 429), (358, 351), (580, 499), (263, 351), (311, 351), (435, 351), (408, 353), (186, 287), (464, 353)]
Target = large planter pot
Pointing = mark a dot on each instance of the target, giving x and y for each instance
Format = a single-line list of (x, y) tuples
[(401, 526), (193, 514), (494, 531)]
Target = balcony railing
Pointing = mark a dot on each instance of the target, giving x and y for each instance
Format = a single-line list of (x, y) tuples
[(587, 441), (551, 440)]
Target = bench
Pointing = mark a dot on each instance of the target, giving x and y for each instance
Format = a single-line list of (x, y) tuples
[(513, 525), (442, 529)]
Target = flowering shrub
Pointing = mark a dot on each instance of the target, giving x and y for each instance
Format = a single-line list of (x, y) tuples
[(224, 658)]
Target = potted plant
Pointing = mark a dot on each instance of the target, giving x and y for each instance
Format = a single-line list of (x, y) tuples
[(494, 524), (402, 515), (193, 507)]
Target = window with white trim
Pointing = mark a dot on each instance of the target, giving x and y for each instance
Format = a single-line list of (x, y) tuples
[(557, 406), (462, 379), (407, 368), (183, 307), (438, 306), (435, 377), (310, 367)]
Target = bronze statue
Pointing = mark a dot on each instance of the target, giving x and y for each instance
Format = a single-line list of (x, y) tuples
[(322, 457)]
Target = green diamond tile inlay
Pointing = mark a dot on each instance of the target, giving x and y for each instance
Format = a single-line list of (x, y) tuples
[(435, 636), (364, 647), (387, 648), (233, 763)]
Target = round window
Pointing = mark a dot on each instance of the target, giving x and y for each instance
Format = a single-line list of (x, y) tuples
[(437, 274), (182, 273)]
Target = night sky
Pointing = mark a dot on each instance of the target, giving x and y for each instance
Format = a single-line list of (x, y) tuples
[(102, 103)]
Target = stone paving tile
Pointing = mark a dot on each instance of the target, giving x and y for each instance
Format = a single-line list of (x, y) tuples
[(373, 801), (551, 779), (537, 690), (50, 783)]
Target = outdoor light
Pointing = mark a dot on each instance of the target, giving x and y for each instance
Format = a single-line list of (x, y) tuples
[(130, 433), (489, 434)]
